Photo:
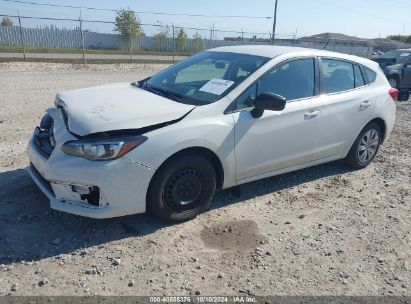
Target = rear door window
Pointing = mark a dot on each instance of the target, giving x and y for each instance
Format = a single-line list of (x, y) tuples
[(336, 76)]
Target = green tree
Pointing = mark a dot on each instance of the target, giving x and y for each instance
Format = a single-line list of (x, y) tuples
[(128, 25), (162, 36), (401, 38), (181, 40), (198, 42), (7, 22)]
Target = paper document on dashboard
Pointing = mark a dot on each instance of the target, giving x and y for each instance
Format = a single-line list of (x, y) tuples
[(217, 86)]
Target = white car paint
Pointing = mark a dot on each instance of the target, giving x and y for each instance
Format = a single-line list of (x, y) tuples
[(61, 171), (248, 148)]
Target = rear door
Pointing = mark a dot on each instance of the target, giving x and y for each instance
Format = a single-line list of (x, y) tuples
[(347, 103)]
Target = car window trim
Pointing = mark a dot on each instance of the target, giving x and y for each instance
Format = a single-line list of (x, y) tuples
[(316, 91), (362, 75), (348, 61)]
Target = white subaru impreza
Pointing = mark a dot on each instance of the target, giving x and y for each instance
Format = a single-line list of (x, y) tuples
[(218, 119)]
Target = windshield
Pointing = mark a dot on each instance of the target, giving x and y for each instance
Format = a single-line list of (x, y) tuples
[(204, 78), (399, 56)]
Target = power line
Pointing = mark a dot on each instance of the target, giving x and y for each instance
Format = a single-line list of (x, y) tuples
[(138, 12)]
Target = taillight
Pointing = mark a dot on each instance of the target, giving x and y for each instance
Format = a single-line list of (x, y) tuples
[(394, 94)]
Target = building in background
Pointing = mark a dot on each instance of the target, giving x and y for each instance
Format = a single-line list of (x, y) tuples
[(335, 39), (341, 40)]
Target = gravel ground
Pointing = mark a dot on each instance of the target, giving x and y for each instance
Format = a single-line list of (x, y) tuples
[(326, 230)]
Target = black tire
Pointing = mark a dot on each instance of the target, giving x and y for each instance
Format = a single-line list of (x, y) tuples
[(355, 157), (403, 96), (394, 81), (182, 188)]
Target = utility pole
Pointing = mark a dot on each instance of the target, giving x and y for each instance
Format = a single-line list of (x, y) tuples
[(82, 38), (22, 37), (213, 33), (174, 44), (274, 22), (131, 41)]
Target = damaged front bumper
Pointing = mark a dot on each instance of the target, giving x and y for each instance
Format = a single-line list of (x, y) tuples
[(92, 189)]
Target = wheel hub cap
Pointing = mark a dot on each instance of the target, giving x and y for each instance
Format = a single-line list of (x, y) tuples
[(183, 188), (368, 146)]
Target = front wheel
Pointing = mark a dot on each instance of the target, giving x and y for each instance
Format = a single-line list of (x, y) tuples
[(182, 188), (366, 147)]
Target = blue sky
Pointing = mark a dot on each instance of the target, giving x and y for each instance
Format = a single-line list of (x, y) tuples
[(362, 18)]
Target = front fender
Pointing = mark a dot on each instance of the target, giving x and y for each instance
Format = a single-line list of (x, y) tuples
[(215, 134)]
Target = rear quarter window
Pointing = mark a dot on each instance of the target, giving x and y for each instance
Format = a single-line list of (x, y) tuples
[(359, 79), (369, 74)]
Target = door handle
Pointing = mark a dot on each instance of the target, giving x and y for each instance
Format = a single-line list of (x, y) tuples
[(366, 104), (312, 115)]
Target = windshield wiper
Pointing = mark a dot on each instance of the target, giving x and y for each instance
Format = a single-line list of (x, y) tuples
[(141, 83), (164, 92)]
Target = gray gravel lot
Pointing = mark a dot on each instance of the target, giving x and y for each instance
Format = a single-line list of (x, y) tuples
[(326, 230)]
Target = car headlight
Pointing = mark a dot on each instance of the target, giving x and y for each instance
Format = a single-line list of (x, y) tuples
[(105, 149)]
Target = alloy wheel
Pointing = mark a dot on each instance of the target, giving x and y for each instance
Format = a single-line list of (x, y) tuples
[(368, 146)]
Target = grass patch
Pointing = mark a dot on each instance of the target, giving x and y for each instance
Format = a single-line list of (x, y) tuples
[(91, 61), (30, 49)]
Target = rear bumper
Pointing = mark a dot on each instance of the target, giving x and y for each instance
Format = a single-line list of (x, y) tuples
[(122, 184)]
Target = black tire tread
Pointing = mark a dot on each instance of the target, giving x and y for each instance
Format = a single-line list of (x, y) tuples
[(352, 159), (155, 204)]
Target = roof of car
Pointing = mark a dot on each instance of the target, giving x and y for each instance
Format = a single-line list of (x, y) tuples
[(272, 51)]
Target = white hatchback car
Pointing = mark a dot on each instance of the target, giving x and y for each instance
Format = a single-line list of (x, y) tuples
[(218, 119)]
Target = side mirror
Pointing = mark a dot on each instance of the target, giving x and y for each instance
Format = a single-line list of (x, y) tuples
[(270, 102)]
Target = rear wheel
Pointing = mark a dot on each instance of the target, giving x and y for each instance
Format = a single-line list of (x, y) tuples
[(403, 96), (366, 147), (182, 188)]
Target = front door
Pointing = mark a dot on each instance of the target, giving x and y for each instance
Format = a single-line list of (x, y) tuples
[(278, 140)]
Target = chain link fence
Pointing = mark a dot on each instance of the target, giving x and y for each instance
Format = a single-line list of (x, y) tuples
[(95, 36)]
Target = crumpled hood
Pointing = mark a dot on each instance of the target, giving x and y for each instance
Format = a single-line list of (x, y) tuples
[(117, 107)]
